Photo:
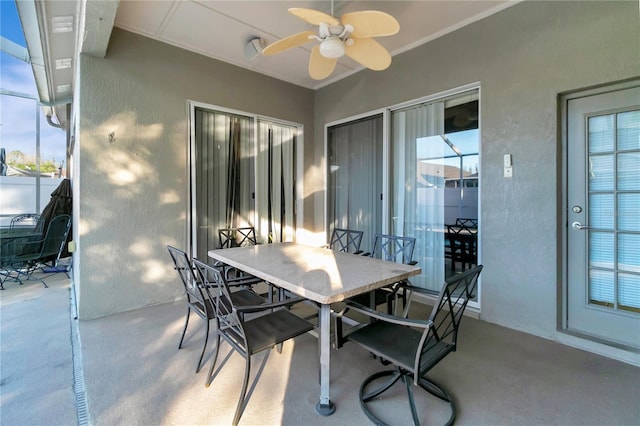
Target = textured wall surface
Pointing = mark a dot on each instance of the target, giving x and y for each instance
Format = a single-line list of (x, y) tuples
[(133, 197), (523, 57)]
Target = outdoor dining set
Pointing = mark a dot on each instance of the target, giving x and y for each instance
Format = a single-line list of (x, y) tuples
[(250, 291), (29, 243)]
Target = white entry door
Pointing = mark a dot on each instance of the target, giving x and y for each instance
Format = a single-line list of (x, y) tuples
[(603, 217)]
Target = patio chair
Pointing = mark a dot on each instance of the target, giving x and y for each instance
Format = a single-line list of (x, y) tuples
[(392, 248), (413, 346), (346, 240), (31, 253), (248, 336), (196, 297), (237, 237), (240, 237)]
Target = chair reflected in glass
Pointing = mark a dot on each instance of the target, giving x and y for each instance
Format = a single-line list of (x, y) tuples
[(463, 245), (392, 248), (272, 325), (413, 346), (346, 240)]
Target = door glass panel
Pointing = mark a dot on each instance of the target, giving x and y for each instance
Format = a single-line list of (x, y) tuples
[(354, 173), (601, 176), (629, 252), (629, 130), (601, 253), (628, 166), (601, 287), (601, 134), (601, 211), (629, 292), (629, 212), (434, 183), (614, 251)]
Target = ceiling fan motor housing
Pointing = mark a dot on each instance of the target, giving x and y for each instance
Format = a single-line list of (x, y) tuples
[(332, 47)]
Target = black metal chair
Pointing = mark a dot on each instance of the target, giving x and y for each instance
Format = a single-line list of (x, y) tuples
[(29, 254), (413, 346), (196, 296), (241, 237), (392, 248), (248, 337), (346, 240), (237, 237)]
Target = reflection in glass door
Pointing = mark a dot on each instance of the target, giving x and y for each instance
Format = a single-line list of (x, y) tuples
[(434, 184)]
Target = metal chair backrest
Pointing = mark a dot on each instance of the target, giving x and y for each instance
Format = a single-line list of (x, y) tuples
[(29, 220), (56, 237), (441, 337), (192, 286), (237, 237), (346, 240), (229, 321), (393, 248)]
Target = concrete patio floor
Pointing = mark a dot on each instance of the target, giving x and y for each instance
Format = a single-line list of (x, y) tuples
[(127, 370)]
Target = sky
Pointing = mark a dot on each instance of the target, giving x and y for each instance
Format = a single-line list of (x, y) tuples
[(18, 115)]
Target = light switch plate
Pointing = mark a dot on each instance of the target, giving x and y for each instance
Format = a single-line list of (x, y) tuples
[(508, 172)]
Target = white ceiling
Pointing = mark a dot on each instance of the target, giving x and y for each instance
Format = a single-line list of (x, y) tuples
[(218, 29), (221, 29)]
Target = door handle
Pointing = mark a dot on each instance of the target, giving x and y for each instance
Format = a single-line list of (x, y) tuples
[(578, 226)]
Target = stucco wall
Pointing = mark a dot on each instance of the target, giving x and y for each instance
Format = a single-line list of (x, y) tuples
[(523, 57), (133, 198)]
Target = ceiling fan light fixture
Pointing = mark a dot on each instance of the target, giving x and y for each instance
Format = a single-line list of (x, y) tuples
[(332, 48)]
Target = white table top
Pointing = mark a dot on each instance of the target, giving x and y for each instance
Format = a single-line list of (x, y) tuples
[(318, 274)]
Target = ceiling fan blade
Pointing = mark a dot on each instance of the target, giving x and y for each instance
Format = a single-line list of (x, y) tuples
[(288, 42), (314, 17), (368, 52), (319, 66), (371, 23)]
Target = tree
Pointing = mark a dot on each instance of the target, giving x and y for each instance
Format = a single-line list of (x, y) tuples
[(21, 161)]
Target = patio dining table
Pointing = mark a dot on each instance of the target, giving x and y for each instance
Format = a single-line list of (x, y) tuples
[(318, 274)]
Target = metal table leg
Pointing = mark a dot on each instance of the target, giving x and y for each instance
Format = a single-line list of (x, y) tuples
[(325, 407)]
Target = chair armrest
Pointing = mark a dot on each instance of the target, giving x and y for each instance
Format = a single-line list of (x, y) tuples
[(372, 313), (267, 306)]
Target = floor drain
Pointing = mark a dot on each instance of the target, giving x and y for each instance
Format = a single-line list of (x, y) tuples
[(78, 373)]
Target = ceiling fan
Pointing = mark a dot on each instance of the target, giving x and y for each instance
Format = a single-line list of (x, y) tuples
[(350, 35)]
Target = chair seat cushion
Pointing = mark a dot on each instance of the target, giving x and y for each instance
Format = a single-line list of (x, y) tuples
[(398, 344), (246, 298), (393, 342), (268, 330)]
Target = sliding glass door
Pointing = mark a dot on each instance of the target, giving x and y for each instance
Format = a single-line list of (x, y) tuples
[(434, 184), (243, 174), (354, 192), (423, 182), (434, 190)]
